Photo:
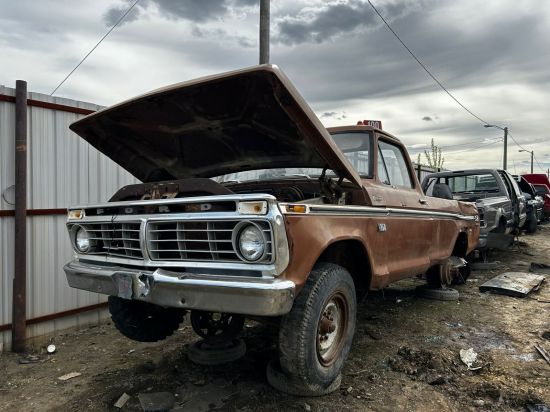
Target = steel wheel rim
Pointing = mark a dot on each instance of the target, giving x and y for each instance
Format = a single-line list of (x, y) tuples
[(331, 329)]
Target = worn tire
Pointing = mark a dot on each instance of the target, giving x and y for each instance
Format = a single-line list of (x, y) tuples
[(142, 321), (202, 353), (531, 225), (329, 292), (445, 294), (283, 383)]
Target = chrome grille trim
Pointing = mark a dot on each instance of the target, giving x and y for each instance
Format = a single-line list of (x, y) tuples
[(280, 246), (115, 238), (200, 240)]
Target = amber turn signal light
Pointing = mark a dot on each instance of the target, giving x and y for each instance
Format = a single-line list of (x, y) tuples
[(296, 208)]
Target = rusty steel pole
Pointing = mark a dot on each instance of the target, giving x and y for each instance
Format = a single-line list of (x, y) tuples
[(264, 31), (19, 300)]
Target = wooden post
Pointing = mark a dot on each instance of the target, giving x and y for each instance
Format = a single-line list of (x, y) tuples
[(19, 299)]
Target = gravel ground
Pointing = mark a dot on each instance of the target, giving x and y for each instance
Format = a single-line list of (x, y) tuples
[(405, 356)]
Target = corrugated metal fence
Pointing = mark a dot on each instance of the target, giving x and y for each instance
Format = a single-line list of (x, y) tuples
[(63, 170)]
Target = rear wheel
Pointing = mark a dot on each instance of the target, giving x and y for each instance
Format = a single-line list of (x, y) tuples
[(501, 228), (215, 325), (531, 225), (315, 336), (142, 321), (446, 274)]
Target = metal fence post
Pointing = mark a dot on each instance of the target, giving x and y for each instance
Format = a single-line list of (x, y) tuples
[(19, 300)]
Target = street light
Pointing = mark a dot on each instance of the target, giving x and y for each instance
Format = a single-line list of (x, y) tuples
[(532, 155), (505, 157)]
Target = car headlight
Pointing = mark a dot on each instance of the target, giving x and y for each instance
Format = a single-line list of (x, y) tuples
[(82, 240), (251, 242)]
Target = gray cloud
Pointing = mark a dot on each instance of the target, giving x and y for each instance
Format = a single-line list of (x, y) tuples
[(331, 20), (112, 15), (223, 35), (336, 53), (191, 10)]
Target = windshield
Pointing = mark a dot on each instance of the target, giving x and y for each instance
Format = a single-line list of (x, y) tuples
[(466, 183), (541, 190), (356, 146)]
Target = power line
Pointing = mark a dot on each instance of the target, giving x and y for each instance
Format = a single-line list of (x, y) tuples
[(97, 44), (435, 79), (469, 149), (539, 165), (470, 142), (424, 67), (523, 148)]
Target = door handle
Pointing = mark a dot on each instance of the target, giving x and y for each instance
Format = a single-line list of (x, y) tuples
[(423, 201)]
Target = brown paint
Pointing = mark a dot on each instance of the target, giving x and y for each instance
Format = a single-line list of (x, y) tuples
[(58, 315), (48, 105), (35, 212), (409, 246)]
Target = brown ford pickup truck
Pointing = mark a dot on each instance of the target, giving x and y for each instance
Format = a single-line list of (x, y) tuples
[(249, 207)]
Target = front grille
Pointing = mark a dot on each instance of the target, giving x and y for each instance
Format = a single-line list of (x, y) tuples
[(199, 240), (115, 239), (481, 217)]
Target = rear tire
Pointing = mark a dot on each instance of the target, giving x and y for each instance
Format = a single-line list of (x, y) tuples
[(315, 336), (531, 225), (203, 353), (445, 294), (142, 321)]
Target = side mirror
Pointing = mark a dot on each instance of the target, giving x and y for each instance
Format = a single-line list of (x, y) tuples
[(527, 196)]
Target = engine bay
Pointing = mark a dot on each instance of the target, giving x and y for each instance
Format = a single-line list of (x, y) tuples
[(324, 190)]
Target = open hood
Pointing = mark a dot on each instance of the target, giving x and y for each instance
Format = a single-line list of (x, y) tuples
[(242, 120)]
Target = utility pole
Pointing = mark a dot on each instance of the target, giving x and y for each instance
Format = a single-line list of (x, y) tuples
[(532, 157), (505, 160), (264, 31)]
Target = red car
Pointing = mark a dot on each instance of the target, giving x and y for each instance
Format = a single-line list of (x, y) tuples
[(542, 186)]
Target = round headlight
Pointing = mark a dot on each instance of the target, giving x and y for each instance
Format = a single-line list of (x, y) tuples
[(251, 243), (82, 240)]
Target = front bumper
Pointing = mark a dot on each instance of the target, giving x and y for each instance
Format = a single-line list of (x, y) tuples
[(231, 294)]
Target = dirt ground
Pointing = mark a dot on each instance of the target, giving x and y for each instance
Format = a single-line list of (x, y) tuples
[(405, 356)]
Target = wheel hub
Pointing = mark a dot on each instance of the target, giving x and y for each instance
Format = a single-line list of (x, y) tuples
[(216, 326), (331, 328)]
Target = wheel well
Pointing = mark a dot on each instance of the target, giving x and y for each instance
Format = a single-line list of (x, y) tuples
[(461, 245), (351, 255)]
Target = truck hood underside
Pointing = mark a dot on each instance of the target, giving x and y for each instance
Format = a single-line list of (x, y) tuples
[(243, 120)]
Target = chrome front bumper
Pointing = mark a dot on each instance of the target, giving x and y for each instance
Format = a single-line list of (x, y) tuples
[(231, 294)]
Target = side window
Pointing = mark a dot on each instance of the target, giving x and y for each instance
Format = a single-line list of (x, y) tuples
[(397, 171), (429, 187), (382, 173), (507, 183)]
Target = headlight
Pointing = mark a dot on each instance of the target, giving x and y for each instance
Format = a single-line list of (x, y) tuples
[(82, 240), (251, 242)]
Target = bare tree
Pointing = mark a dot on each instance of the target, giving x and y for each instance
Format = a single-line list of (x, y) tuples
[(434, 158)]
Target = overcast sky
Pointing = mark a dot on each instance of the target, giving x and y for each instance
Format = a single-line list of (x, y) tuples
[(492, 55)]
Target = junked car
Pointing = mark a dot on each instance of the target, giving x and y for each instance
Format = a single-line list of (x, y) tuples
[(501, 204), (542, 186), (249, 207), (534, 204)]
